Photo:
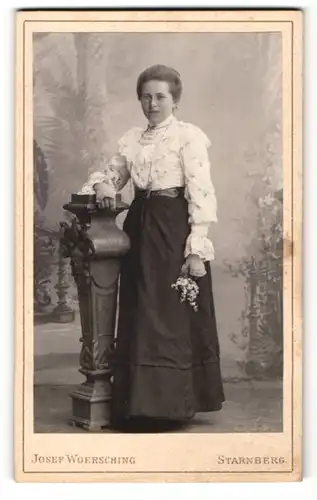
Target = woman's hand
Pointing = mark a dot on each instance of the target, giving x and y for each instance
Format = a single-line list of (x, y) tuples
[(103, 199), (193, 266)]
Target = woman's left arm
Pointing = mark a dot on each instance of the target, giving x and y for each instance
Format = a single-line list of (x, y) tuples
[(200, 194)]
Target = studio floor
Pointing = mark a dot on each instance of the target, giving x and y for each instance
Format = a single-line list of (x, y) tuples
[(251, 406)]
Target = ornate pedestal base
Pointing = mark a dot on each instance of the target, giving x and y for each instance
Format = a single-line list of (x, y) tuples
[(91, 404), (63, 315), (95, 244)]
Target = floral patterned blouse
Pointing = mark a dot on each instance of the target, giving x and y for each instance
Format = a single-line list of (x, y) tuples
[(171, 154)]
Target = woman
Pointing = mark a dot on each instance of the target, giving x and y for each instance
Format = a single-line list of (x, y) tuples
[(166, 361)]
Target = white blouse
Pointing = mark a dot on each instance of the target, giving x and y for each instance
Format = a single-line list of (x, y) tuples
[(171, 154)]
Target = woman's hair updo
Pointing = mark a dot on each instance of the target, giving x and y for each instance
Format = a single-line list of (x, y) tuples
[(163, 74)]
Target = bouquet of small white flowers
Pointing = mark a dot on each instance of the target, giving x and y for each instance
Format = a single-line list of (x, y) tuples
[(188, 289)]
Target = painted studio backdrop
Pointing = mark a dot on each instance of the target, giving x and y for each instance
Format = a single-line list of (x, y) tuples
[(85, 99)]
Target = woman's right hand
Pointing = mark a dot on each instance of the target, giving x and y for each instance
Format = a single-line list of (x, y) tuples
[(103, 199)]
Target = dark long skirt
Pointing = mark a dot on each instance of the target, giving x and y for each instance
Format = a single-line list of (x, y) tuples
[(166, 362)]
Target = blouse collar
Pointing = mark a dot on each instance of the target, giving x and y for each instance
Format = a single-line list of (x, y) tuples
[(170, 119)]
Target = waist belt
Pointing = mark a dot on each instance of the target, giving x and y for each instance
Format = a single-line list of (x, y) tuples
[(173, 192)]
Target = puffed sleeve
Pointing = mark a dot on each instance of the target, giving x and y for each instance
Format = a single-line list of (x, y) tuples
[(117, 172), (199, 192)]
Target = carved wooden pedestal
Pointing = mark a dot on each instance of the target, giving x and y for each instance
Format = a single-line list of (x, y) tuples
[(94, 244)]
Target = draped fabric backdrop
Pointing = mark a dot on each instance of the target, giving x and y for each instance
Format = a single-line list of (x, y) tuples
[(85, 98)]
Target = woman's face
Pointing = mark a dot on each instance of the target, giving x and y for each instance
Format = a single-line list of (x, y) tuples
[(156, 101)]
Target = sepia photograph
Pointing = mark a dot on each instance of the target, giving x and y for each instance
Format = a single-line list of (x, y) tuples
[(158, 236)]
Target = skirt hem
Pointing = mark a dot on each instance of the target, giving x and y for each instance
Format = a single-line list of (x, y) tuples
[(161, 392)]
